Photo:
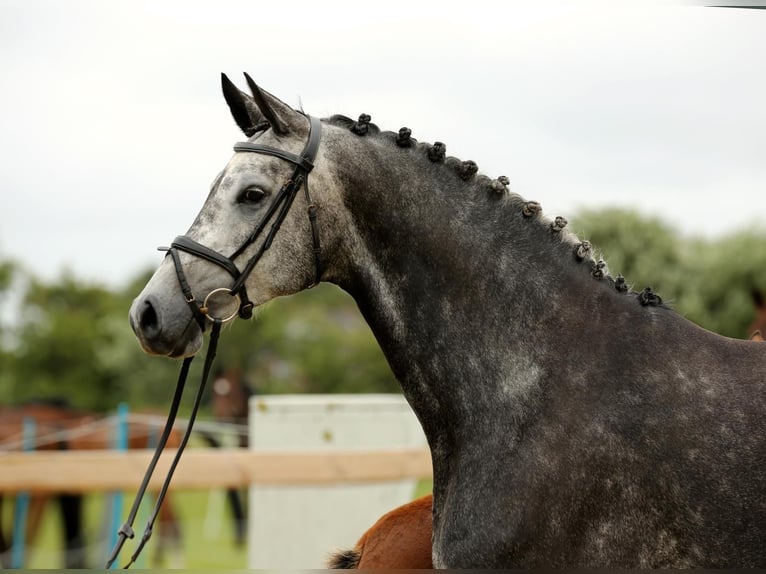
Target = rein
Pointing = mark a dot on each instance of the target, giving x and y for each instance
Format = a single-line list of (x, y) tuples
[(126, 530), (277, 211)]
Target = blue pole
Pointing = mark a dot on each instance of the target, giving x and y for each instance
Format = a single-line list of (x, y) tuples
[(151, 442), (21, 508), (120, 443)]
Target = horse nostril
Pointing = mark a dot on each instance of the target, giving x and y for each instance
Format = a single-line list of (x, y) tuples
[(148, 320)]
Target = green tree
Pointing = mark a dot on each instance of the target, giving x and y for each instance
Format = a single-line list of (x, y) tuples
[(315, 341), (710, 281), (723, 277), (8, 273), (644, 250), (64, 324), (75, 343)]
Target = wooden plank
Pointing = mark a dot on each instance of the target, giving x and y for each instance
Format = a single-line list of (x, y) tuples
[(104, 470)]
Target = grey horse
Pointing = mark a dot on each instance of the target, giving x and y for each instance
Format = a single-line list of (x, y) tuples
[(572, 421)]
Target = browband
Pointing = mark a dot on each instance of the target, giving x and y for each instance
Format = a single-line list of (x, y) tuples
[(291, 157)]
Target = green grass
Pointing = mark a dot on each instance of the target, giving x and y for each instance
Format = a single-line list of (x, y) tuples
[(424, 487), (206, 530)]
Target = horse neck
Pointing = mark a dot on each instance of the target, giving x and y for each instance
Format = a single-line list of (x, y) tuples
[(464, 293)]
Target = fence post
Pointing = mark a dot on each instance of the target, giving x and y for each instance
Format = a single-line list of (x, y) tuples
[(297, 526), (21, 508), (144, 511), (120, 443)]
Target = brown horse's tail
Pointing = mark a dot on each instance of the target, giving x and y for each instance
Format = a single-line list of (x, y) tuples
[(345, 560)]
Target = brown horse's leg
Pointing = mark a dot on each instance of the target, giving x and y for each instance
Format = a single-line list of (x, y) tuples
[(71, 507), (37, 504), (234, 498), (34, 512), (170, 533), (71, 514)]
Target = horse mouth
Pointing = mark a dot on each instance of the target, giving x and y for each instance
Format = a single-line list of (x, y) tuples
[(190, 347), (182, 349)]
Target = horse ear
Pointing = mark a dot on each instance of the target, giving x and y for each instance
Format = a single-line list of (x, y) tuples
[(276, 112), (250, 111), (243, 110)]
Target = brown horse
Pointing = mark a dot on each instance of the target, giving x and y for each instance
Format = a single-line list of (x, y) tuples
[(231, 398), (230, 404), (60, 427), (759, 322), (400, 539)]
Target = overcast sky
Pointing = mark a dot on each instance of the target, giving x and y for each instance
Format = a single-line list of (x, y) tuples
[(113, 127)]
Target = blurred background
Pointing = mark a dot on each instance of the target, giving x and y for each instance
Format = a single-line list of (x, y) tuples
[(643, 125)]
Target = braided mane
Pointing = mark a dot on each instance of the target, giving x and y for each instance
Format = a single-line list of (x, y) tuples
[(466, 171)]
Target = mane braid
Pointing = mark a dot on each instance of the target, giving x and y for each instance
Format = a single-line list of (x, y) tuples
[(261, 126), (582, 251), (349, 124)]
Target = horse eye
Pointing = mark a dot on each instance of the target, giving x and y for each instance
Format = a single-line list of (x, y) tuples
[(251, 195)]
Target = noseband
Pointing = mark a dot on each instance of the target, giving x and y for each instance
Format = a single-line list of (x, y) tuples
[(277, 211)]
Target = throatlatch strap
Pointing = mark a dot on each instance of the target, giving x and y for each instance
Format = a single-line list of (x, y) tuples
[(312, 211)]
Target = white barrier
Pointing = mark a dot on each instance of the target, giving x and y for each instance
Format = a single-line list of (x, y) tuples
[(296, 526)]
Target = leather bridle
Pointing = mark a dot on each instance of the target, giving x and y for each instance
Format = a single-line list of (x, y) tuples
[(278, 209), (304, 163)]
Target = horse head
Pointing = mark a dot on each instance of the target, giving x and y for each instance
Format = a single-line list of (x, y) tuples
[(232, 258)]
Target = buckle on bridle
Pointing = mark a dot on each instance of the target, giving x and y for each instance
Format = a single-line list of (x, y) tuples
[(246, 310)]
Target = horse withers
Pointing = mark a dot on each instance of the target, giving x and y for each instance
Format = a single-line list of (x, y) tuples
[(578, 421)]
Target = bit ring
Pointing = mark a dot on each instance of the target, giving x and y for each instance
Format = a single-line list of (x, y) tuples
[(205, 311)]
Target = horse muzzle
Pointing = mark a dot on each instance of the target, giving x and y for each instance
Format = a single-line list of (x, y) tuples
[(162, 330)]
